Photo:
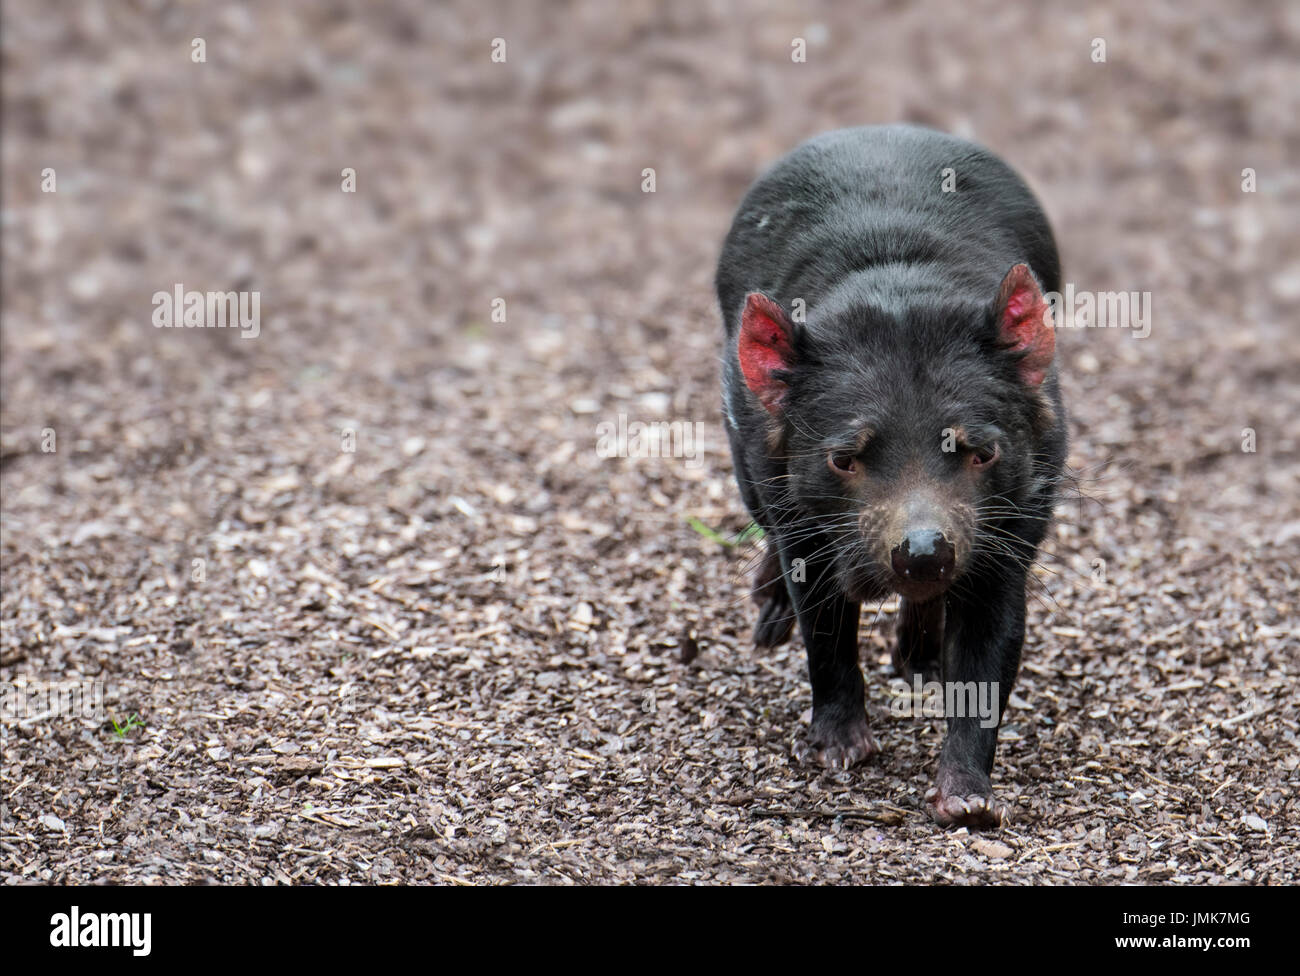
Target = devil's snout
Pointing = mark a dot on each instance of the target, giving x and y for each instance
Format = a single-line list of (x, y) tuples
[(924, 556)]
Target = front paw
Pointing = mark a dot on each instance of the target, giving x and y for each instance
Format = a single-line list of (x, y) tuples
[(837, 740), (962, 798)]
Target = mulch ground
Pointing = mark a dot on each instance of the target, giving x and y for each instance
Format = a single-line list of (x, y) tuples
[(471, 649)]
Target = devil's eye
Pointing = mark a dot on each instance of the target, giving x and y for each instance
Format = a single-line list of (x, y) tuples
[(984, 455), (842, 462)]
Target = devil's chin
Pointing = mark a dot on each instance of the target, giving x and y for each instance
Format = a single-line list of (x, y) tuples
[(867, 586), (918, 592)]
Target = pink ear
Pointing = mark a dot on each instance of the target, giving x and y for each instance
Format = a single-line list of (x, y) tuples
[(765, 348), (1025, 323)]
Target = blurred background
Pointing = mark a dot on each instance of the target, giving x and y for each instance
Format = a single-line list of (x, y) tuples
[(206, 539)]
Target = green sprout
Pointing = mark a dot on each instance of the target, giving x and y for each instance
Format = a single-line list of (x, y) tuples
[(749, 533), (132, 723)]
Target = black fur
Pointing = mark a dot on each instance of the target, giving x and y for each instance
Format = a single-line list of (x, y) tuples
[(900, 281)]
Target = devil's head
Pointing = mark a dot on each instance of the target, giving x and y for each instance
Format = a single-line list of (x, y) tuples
[(908, 424)]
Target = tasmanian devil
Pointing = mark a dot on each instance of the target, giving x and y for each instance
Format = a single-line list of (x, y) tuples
[(895, 421)]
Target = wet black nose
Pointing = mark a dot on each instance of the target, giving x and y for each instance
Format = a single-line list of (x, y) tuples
[(925, 556)]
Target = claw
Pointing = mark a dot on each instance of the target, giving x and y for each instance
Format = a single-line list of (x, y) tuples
[(837, 745), (961, 808)]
